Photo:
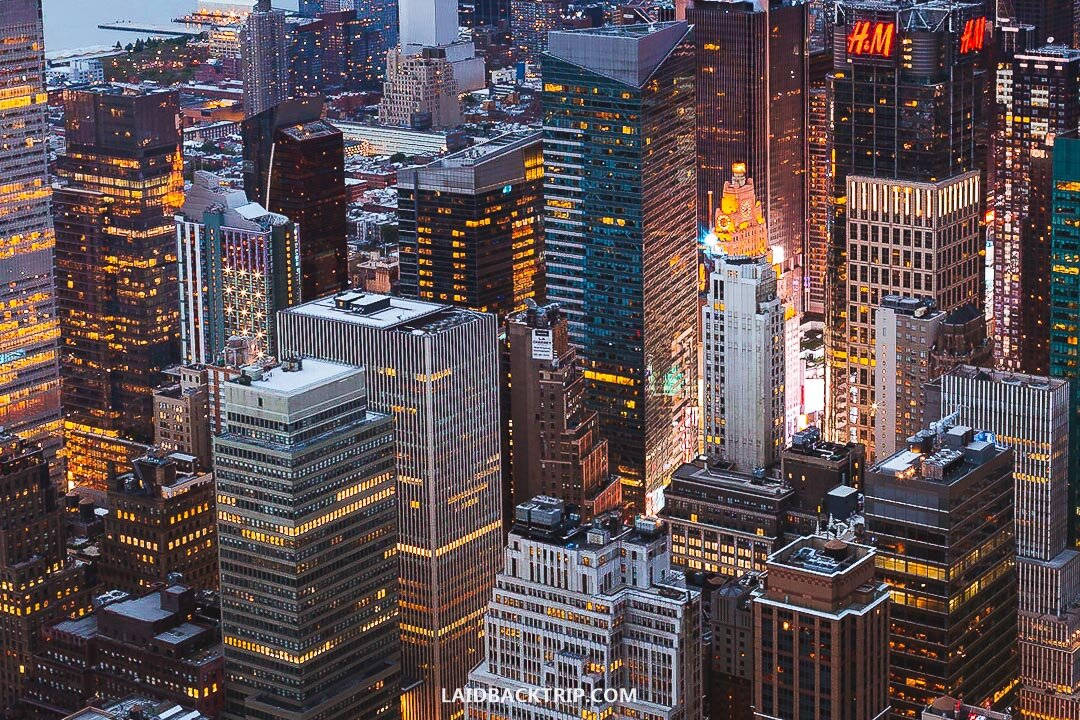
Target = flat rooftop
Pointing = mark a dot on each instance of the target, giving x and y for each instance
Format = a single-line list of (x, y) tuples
[(942, 458), (385, 312), (1035, 382), (721, 475), (311, 373), (820, 555)]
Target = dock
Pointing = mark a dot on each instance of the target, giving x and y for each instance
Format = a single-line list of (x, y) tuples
[(151, 29)]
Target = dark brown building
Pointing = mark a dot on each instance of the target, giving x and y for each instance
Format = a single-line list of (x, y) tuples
[(38, 583), (294, 164), (116, 276), (557, 447), (470, 226), (813, 466), (165, 645), (724, 521), (728, 633), (940, 513), (750, 79), (161, 521), (821, 634)]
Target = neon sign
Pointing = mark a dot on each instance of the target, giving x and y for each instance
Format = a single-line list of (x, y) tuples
[(871, 37), (974, 35)]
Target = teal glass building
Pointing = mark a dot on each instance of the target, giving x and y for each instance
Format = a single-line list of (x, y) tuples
[(1065, 300), (620, 236)]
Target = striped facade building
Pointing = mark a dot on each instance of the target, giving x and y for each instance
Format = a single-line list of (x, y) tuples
[(1031, 414), (435, 369)]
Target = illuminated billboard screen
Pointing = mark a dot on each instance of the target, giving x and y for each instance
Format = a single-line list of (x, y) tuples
[(871, 39)]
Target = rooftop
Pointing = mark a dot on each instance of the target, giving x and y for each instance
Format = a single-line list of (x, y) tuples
[(628, 54), (809, 442), (385, 312), (309, 130), (943, 457), (712, 473), (294, 378), (1035, 382), (555, 522), (820, 555)]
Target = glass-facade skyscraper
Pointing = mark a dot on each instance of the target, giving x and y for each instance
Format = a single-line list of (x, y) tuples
[(751, 107), (621, 235), (29, 368), (903, 111), (117, 289)]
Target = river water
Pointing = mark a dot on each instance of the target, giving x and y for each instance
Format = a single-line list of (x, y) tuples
[(73, 24)]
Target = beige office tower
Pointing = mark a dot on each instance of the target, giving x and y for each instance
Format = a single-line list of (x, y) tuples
[(593, 611), (914, 239), (435, 369), (1031, 414), (916, 343), (306, 537)]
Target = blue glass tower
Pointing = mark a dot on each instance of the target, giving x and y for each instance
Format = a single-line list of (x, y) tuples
[(621, 235)]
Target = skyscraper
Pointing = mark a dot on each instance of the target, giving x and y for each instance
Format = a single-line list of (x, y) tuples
[(750, 78), (294, 165), (620, 236), (264, 58), (557, 447), (916, 343), (309, 609), (821, 634), (182, 413), (624, 621), (41, 583), (469, 226), (904, 98), (238, 265), (1039, 97), (1031, 414), (940, 513), (743, 331), (29, 366), (435, 369), (117, 287), (1064, 291)]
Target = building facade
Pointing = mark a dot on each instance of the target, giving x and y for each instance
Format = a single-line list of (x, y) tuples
[(117, 287), (39, 582), (751, 83), (620, 236), (1064, 293), (1037, 98), (182, 414), (940, 513), (723, 521), (264, 58), (744, 364), (301, 438), (435, 369), (29, 365), (906, 186), (238, 265), (821, 634), (469, 226), (916, 343), (1031, 414), (625, 620), (557, 447), (813, 466), (161, 522)]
